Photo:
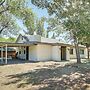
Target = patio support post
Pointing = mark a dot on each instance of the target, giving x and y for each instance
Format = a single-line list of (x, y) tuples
[(6, 55), (2, 54)]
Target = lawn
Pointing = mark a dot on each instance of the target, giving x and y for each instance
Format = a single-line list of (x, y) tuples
[(45, 76)]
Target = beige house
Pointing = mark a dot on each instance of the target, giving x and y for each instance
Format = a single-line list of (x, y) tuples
[(83, 52), (38, 48)]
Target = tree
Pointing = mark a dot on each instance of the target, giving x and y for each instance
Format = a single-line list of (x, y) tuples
[(73, 14), (8, 10), (28, 18), (40, 26), (11, 9)]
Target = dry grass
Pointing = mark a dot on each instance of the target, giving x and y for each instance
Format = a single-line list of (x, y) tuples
[(45, 76)]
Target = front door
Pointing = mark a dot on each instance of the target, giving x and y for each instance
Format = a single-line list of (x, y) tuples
[(27, 53), (63, 52)]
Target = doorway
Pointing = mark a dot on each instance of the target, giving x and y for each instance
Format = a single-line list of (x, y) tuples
[(63, 53), (27, 53)]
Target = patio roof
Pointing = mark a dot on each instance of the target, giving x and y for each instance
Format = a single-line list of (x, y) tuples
[(9, 44), (16, 44)]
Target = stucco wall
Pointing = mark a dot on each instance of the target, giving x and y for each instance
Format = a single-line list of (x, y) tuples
[(73, 56), (85, 53), (67, 53), (44, 52), (56, 53), (33, 53)]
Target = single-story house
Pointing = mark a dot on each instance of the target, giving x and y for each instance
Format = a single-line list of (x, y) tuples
[(37, 48)]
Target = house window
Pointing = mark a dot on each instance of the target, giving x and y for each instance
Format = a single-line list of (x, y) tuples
[(81, 51), (24, 51), (71, 51), (22, 38), (19, 52)]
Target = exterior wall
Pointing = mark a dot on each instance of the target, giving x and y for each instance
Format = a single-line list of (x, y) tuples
[(85, 53), (44, 52), (56, 53), (73, 56), (67, 53), (33, 53), (22, 55)]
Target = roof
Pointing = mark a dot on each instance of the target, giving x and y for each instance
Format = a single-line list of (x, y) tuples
[(15, 44), (36, 39), (8, 49)]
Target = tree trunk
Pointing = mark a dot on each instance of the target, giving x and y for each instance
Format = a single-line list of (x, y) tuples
[(77, 51)]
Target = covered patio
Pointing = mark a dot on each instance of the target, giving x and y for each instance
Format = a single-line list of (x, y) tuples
[(6, 60)]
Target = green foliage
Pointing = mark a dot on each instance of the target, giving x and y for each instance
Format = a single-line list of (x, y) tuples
[(19, 9), (73, 14), (7, 40), (8, 10), (40, 26)]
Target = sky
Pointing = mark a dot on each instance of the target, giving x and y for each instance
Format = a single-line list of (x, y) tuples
[(39, 12)]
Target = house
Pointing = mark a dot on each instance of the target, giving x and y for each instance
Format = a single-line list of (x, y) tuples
[(37, 48), (83, 52)]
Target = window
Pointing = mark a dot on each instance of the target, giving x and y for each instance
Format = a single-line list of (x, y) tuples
[(24, 51), (19, 52), (81, 51), (71, 51), (22, 38)]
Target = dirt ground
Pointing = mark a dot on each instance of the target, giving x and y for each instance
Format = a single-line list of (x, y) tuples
[(45, 76)]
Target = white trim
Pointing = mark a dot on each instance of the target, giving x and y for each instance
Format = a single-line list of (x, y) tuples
[(6, 55)]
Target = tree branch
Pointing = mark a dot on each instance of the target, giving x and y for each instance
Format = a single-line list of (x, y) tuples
[(2, 29), (2, 2)]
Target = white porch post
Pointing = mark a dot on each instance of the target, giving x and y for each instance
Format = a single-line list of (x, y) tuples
[(6, 55), (2, 54)]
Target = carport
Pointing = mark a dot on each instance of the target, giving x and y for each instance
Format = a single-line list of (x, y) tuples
[(7, 44)]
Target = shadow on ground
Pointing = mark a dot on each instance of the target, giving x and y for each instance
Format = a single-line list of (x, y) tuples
[(71, 77)]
